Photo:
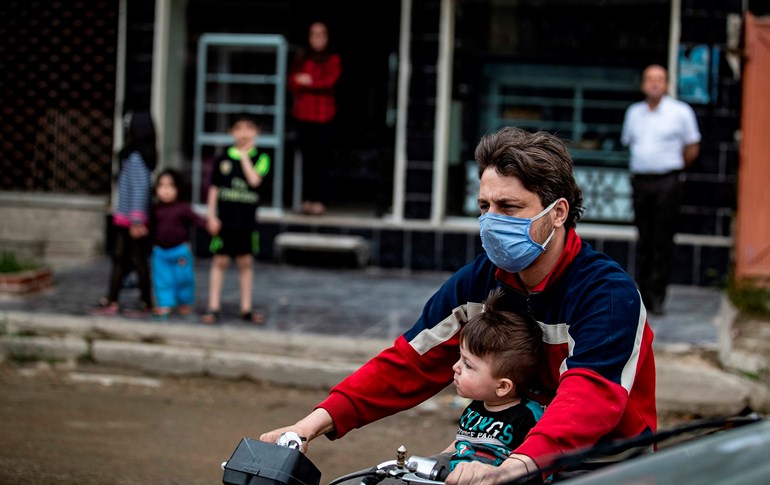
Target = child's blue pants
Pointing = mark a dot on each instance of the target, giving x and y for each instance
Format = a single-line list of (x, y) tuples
[(173, 276)]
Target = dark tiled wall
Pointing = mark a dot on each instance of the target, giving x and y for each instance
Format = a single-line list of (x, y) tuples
[(390, 248), (709, 191), (695, 265), (710, 188), (422, 109), (139, 44)]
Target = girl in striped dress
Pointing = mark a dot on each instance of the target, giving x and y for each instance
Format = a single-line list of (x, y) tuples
[(131, 214)]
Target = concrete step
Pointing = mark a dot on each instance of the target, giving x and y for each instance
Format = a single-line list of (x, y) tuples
[(288, 242)]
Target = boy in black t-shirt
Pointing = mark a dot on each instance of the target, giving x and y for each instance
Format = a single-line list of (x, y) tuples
[(233, 199)]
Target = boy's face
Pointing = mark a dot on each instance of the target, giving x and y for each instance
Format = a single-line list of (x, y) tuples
[(244, 133), (473, 377)]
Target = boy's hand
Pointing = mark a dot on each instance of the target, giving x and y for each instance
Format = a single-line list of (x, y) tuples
[(252, 177), (243, 150)]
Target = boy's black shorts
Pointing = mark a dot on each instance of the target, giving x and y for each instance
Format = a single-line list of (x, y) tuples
[(235, 242)]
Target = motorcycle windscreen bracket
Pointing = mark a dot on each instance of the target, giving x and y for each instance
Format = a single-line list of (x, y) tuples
[(255, 462)]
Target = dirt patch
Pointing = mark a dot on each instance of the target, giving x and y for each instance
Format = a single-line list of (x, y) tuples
[(101, 425), (59, 430)]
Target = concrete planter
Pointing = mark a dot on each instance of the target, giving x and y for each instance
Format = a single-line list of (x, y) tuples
[(27, 281)]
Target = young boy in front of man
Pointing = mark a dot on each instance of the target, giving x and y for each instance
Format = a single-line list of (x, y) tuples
[(500, 354), (233, 198)]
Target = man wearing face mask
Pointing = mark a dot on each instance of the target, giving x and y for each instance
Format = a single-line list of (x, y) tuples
[(599, 381)]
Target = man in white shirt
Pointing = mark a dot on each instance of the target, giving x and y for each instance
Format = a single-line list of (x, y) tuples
[(663, 137)]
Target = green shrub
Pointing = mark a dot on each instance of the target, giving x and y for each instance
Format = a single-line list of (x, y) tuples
[(9, 263), (750, 299)]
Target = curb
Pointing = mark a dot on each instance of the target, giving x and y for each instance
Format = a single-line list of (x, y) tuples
[(311, 361)]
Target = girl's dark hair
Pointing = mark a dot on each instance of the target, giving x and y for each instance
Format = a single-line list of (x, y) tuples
[(140, 137), (541, 161), (510, 342), (182, 189)]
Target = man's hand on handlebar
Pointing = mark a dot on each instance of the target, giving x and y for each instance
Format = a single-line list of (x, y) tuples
[(314, 424), (272, 436), (478, 473)]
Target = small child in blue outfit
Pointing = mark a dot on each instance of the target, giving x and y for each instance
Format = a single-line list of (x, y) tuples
[(173, 275)]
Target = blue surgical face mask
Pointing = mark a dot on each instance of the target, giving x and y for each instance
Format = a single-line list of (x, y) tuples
[(507, 240)]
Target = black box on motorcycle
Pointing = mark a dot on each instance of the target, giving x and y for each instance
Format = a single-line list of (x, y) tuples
[(255, 462)]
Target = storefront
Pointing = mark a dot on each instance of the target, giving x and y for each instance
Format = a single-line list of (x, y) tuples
[(422, 81)]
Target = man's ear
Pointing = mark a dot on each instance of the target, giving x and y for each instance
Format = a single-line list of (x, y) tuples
[(560, 212), (504, 387)]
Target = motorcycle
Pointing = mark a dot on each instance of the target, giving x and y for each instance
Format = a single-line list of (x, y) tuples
[(282, 463)]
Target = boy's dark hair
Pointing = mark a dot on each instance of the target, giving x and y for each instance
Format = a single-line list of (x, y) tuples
[(541, 161), (182, 189), (510, 342), (243, 117)]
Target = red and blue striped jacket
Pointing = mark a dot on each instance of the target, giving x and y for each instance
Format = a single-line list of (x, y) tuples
[(599, 380)]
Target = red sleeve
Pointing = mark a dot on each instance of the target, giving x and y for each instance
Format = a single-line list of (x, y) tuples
[(396, 379), (586, 407)]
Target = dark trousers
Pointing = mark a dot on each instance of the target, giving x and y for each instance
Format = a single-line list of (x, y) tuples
[(128, 254), (315, 143), (656, 214)]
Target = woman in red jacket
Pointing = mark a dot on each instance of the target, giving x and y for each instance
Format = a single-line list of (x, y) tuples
[(312, 78)]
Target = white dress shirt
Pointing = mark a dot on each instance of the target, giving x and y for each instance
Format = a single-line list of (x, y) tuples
[(656, 138)]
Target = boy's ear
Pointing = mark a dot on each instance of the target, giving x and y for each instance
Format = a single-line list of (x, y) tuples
[(504, 387)]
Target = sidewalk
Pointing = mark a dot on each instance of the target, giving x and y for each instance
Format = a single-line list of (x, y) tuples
[(321, 324)]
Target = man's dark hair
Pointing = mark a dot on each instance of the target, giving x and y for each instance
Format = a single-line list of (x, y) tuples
[(510, 342), (541, 161)]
